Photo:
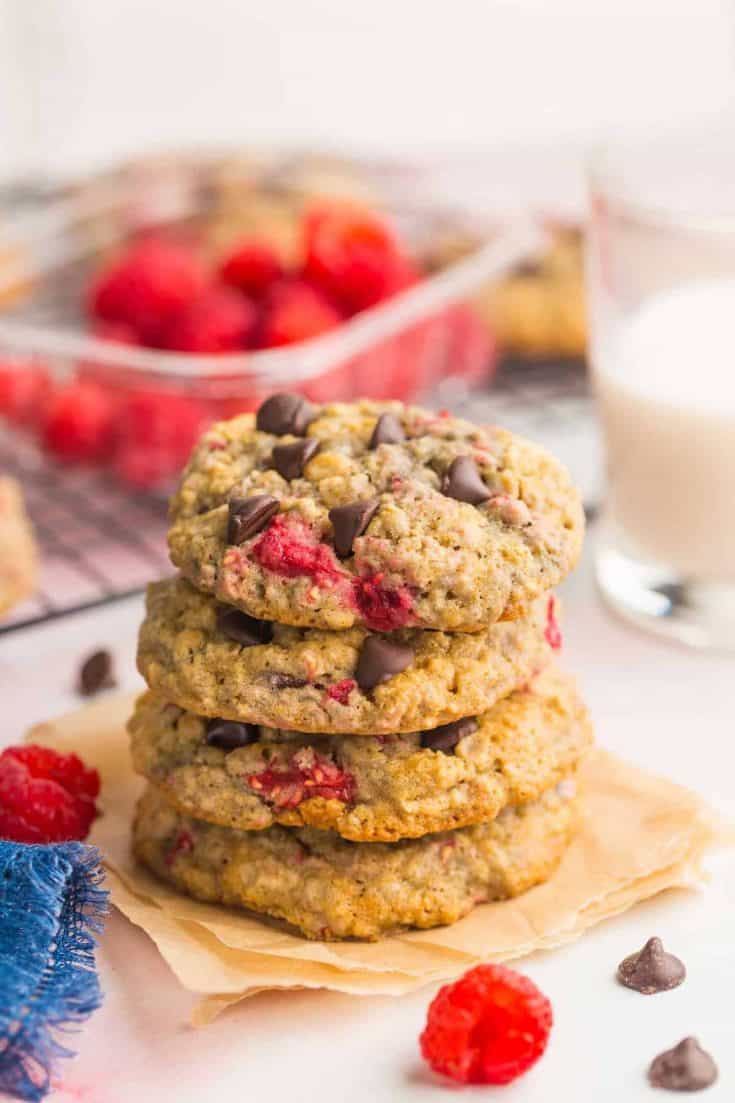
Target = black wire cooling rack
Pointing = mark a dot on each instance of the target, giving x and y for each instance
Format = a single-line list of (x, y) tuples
[(97, 542)]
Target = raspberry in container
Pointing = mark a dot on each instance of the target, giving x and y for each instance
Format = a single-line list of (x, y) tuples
[(149, 301)]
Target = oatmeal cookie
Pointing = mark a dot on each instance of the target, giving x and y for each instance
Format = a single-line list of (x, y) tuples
[(373, 514), (329, 888), (217, 661), (367, 789)]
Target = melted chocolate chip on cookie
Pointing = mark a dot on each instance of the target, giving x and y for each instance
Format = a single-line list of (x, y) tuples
[(285, 413), (380, 660), (228, 735), (463, 482), (248, 516), (242, 629), (446, 737), (349, 522), (388, 430), (290, 460)]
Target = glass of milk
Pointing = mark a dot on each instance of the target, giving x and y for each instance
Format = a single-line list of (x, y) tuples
[(661, 286)]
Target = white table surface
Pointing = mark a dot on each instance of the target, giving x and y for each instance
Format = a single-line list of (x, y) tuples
[(666, 708)]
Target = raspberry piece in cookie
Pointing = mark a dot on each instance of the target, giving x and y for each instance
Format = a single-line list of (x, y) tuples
[(488, 1027), (307, 775)]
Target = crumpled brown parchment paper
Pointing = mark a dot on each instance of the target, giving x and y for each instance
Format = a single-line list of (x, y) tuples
[(641, 835)]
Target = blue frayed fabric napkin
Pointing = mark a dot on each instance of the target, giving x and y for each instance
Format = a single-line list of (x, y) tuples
[(51, 907)]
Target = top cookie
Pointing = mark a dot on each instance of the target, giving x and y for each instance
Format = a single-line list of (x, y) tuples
[(373, 514)]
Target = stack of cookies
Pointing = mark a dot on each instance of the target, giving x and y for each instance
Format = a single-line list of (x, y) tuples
[(354, 720)]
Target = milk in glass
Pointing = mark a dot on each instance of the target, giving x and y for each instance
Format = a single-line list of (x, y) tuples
[(666, 388)]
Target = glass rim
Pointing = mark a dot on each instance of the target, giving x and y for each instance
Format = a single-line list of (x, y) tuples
[(603, 165)]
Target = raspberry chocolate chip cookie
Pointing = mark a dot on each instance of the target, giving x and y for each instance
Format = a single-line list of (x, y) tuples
[(372, 514), (329, 888), (367, 789), (219, 662)]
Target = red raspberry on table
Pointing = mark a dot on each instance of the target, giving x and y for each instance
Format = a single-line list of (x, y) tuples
[(253, 266), (147, 285), (45, 797), (295, 312), (354, 256), (219, 320), (79, 422), (488, 1027)]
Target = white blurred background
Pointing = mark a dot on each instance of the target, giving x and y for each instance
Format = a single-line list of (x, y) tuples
[(84, 82)]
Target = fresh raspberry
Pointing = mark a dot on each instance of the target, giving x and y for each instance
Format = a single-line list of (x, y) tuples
[(552, 632), (253, 266), (382, 609), (488, 1027), (219, 320), (45, 797), (24, 391), (296, 312), (152, 280), (79, 421), (354, 256), (290, 548), (340, 691), (307, 775)]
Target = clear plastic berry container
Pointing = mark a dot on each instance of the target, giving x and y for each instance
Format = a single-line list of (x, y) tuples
[(425, 343)]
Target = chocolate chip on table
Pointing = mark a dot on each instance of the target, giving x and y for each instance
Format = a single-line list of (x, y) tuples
[(379, 660), (228, 735), (241, 628), (446, 737), (463, 482), (685, 1068), (96, 673), (349, 522), (290, 460), (651, 969), (247, 516), (285, 413), (388, 430), (277, 680)]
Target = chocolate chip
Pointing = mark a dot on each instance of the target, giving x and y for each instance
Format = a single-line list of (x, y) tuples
[(96, 673), (285, 413), (448, 736), (388, 430), (685, 1068), (277, 680), (651, 969), (241, 628), (463, 482), (228, 735), (290, 460), (379, 660), (349, 522), (248, 516)]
